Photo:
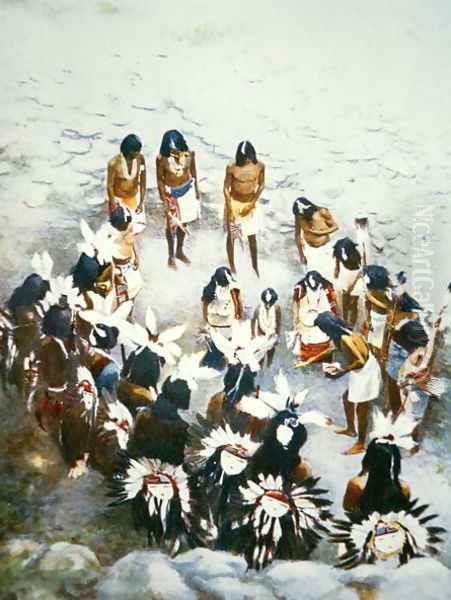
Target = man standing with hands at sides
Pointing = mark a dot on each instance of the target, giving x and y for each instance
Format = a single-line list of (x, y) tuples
[(243, 184), (126, 181), (178, 190)]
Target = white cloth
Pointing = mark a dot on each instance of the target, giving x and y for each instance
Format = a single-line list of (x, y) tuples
[(266, 319), (346, 278), (320, 259), (376, 335), (132, 277), (189, 205), (364, 384), (221, 310)]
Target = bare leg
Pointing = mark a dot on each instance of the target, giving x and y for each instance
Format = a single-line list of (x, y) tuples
[(349, 409), (253, 248), (353, 310), (170, 240), (230, 252), (362, 418), (270, 356), (179, 252), (394, 396)]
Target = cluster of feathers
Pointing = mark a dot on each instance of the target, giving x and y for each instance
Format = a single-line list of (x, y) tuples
[(208, 484)]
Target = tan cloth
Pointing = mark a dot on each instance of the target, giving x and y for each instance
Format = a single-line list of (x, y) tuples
[(246, 215)]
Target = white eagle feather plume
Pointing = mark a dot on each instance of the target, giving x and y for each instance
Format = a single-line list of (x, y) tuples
[(388, 430), (42, 265)]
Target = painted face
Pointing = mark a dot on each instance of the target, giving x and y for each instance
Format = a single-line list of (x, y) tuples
[(232, 463), (159, 486), (388, 539), (274, 504)]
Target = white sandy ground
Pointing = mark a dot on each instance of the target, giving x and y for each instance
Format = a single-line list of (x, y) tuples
[(346, 103)]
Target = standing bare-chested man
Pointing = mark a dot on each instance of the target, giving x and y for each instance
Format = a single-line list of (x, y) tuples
[(126, 183), (243, 184), (179, 191)]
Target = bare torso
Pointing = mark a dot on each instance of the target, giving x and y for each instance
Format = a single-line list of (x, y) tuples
[(244, 181), (321, 221), (355, 488), (125, 184), (173, 173)]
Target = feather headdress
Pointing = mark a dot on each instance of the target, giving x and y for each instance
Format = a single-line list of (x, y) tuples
[(100, 244), (393, 430), (62, 290), (42, 265), (190, 370), (404, 535), (267, 404)]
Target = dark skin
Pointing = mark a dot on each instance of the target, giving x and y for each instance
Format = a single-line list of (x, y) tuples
[(355, 488), (119, 187), (167, 177), (356, 352), (316, 231), (243, 184), (349, 303)]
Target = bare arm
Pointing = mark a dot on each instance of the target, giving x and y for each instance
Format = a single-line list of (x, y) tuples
[(227, 197), (194, 174), (298, 239), (111, 175), (261, 184), (160, 179), (359, 360), (278, 320), (142, 184), (205, 311), (237, 303)]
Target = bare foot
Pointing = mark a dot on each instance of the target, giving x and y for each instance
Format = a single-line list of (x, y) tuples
[(357, 448), (181, 256), (78, 469), (172, 264), (346, 431)]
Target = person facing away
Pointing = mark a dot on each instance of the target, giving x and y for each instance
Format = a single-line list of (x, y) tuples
[(244, 183)]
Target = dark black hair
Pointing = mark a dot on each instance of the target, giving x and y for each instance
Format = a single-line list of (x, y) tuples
[(346, 251), (244, 152), (130, 144), (57, 322), (304, 208), (120, 218), (332, 325), (85, 273), (271, 294), (383, 492), (378, 276), (408, 304), (177, 392), (274, 459), (32, 290), (219, 277), (239, 381), (411, 335), (143, 368), (317, 278), (107, 341), (173, 140)]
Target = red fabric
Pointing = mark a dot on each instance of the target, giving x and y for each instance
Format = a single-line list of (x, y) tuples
[(174, 209), (309, 351)]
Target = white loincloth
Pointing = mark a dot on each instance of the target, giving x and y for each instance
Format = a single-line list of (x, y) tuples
[(376, 335), (250, 224), (133, 279), (189, 205), (346, 278), (320, 259), (364, 384)]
